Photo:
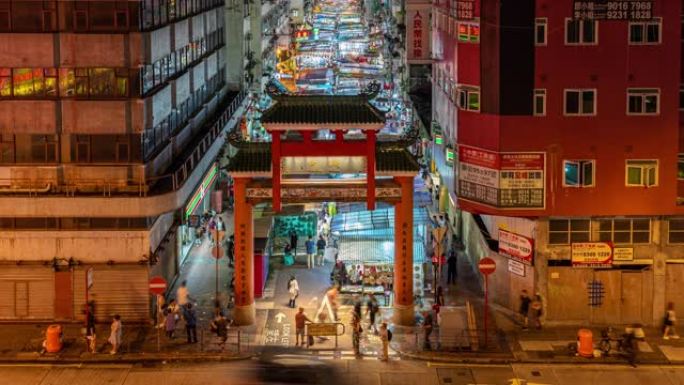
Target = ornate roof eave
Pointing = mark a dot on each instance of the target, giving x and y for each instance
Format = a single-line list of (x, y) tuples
[(407, 139)]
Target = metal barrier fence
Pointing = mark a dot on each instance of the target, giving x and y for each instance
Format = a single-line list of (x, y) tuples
[(457, 340)]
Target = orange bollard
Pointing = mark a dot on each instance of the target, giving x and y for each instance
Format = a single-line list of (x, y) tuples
[(585, 343), (53, 339)]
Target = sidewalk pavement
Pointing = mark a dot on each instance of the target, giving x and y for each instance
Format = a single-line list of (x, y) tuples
[(24, 343)]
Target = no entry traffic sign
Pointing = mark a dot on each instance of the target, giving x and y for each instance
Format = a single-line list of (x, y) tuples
[(486, 266), (157, 285)]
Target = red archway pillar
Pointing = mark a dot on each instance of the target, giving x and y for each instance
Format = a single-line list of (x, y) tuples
[(244, 312), (403, 254)]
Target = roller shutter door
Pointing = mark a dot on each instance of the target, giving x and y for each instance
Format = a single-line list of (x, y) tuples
[(121, 290), (27, 293)]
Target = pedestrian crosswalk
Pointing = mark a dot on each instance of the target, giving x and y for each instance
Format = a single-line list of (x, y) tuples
[(349, 355)]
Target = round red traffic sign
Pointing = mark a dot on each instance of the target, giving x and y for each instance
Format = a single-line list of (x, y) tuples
[(157, 285), (486, 266)]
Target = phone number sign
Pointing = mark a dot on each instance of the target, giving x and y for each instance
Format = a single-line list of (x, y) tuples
[(613, 9)]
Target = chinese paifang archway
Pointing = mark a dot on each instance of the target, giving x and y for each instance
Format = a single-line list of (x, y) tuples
[(259, 171)]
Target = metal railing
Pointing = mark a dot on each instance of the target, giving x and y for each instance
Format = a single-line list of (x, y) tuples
[(456, 340)]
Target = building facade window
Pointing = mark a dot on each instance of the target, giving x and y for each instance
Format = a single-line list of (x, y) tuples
[(78, 223), (468, 98), (39, 83), (675, 230), (540, 31), (578, 173), (155, 74), (643, 101), (105, 148), (625, 231), (7, 148), (581, 32), (580, 102), (643, 173), (567, 231), (468, 32), (645, 32), (43, 149), (539, 102)]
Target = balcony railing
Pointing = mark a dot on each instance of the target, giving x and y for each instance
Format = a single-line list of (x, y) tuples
[(172, 181)]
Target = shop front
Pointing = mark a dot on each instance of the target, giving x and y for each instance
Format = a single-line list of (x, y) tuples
[(198, 204), (366, 252)]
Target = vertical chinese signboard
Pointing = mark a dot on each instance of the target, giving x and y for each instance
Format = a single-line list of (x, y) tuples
[(418, 31), (478, 176), (503, 180)]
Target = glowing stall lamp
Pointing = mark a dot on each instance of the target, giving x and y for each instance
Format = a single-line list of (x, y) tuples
[(439, 140)]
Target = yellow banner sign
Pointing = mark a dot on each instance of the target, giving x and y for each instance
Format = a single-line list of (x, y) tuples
[(592, 254), (323, 329)]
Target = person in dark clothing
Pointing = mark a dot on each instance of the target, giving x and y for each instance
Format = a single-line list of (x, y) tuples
[(90, 326), (372, 309), (230, 250), (190, 323), (428, 325), (357, 305), (320, 250), (293, 242), (452, 269), (524, 309)]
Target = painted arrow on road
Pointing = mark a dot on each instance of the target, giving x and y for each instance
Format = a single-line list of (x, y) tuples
[(279, 317)]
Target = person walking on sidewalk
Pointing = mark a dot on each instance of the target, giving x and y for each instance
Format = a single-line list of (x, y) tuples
[(428, 325), (182, 294), (372, 309), (169, 322), (293, 242), (452, 265), (190, 323), (310, 252), (115, 334), (536, 311), (669, 330), (230, 248), (91, 339), (293, 289), (385, 336), (524, 309), (356, 333), (300, 324), (320, 249)]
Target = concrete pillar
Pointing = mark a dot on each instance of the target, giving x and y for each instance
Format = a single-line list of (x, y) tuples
[(244, 312), (403, 254)]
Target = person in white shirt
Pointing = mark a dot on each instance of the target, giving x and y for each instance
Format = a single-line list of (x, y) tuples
[(182, 294)]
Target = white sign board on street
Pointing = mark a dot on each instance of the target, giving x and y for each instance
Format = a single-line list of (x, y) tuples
[(516, 267)]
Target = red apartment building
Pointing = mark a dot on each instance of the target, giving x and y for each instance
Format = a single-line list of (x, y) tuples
[(566, 123)]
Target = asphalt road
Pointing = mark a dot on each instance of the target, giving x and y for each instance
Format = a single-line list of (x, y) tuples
[(291, 369)]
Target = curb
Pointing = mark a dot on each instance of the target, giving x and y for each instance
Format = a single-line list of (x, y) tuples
[(455, 359), (123, 359)]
